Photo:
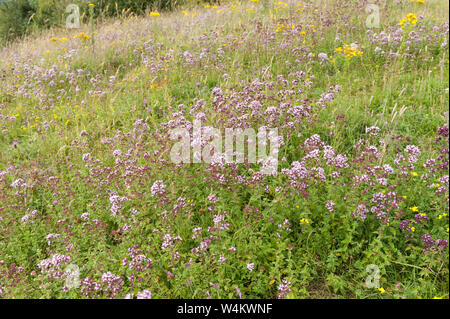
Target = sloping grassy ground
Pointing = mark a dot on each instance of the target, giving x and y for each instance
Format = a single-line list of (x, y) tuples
[(87, 185)]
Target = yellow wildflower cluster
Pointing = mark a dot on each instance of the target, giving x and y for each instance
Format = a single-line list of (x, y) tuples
[(304, 220), (280, 4), (349, 51), (300, 8), (418, 1), (55, 39), (155, 86), (410, 18), (283, 28), (443, 215), (207, 6), (82, 35)]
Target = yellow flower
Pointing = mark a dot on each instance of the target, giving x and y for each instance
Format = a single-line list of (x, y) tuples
[(412, 18), (82, 35), (154, 14), (91, 5), (381, 290), (413, 229), (414, 209)]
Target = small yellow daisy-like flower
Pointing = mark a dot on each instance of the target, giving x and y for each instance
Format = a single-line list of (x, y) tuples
[(91, 5), (413, 229), (381, 290), (154, 14), (412, 18), (414, 209), (414, 174)]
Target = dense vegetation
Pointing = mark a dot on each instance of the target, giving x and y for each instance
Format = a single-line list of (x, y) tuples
[(92, 206)]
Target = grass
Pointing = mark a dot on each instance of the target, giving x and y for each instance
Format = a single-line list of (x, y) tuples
[(151, 68)]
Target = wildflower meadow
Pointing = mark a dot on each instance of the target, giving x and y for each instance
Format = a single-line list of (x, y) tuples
[(242, 149)]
